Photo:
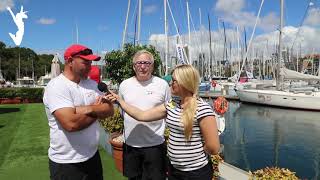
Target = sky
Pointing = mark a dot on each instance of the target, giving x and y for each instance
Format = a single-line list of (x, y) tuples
[(51, 24)]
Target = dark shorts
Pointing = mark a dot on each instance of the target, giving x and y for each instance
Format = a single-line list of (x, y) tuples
[(204, 173), (88, 170), (144, 163)]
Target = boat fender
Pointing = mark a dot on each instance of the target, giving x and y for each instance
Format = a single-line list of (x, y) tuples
[(213, 83), (220, 105)]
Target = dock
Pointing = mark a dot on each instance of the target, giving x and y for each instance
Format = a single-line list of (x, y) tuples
[(230, 172), (215, 94)]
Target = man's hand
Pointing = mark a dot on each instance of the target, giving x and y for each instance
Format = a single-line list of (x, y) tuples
[(87, 109), (101, 108)]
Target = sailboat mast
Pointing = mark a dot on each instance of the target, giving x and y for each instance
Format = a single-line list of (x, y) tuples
[(77, 33), (139, 22), (279, 78), (201, 63), (19, 65), (166, 34), (189, 32), (135, 30), (238, 43), (210, 48), (126, 25)]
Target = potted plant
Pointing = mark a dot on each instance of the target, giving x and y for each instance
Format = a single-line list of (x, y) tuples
[(114, 126), (216, 159), (273, 173)]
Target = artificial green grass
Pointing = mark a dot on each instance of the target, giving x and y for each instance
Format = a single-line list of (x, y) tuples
[(24, 141)]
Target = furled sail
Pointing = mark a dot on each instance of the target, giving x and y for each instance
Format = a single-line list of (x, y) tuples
[(293, 75)]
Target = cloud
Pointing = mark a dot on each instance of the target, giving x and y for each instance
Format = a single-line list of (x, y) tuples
[(46, 21), (232, 11), (5, 3), (150, 9), (308, 38), (313, 17), (103, 28), (229, 6)]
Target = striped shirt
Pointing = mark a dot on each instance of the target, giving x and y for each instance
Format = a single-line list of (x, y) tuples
[(186, 155)]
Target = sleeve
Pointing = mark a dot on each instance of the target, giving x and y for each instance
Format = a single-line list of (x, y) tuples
[(204, 110), (56, 98), (167, 93)]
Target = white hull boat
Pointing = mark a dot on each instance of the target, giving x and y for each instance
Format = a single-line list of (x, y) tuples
[(308, 100)]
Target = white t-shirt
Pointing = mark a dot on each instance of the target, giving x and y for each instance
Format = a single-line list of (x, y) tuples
[(144, 95), (70, 147)]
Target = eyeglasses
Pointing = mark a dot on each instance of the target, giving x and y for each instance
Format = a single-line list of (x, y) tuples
[(140, 63), (84, 52)]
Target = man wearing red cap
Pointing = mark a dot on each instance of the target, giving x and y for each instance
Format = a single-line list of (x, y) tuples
[(73, 104)]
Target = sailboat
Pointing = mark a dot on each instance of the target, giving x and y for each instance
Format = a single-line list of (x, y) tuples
[(300, 98)]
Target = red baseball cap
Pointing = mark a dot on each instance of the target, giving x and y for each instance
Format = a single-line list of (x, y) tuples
[(77, 50)]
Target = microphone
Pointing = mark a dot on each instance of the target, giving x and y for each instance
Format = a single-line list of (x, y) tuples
[(103, 87)]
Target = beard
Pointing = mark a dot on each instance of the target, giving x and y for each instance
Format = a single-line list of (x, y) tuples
[(83, 74)]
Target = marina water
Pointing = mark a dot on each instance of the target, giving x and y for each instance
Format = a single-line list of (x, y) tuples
[(261, 136)]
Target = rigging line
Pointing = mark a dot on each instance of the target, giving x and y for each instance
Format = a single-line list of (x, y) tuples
[(133, 17), (253, 31), (174, 22), (175, 25), (301, 23), (194, 29), (184, 19), (192, 22)]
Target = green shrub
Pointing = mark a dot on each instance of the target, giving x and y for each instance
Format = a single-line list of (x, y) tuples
[(114, 123), (273, 173), (34, 94), (8, 93)]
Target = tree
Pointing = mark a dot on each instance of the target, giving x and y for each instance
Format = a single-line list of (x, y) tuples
[(10, 62), (2, 45), (119, 62)]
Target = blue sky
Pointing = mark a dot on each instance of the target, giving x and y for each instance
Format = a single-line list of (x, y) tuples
[(50, 26)]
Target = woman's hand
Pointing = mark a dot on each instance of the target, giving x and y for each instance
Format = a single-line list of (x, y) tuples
[(112, 97)]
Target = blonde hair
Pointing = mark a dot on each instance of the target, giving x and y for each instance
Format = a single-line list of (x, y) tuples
[(188, 77), (140, 52)]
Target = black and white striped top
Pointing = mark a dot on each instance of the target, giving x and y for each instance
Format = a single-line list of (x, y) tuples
[(186, 155)]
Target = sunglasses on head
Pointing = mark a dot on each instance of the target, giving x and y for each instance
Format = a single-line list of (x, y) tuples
[(83, 52)]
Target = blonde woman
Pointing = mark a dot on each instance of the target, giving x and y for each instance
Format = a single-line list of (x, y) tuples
[(193, 130)]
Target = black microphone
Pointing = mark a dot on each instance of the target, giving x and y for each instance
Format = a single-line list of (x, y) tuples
[(103, 87)]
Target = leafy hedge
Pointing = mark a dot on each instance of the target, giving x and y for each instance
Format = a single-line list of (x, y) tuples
[(114, 123), (34, 94)]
